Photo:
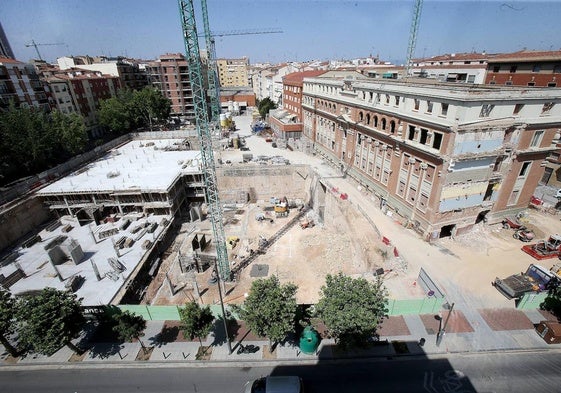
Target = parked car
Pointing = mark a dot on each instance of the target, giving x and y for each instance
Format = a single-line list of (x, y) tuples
[(558, 194), (275, 384)]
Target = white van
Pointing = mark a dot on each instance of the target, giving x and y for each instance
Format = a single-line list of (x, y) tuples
[(275, 384)]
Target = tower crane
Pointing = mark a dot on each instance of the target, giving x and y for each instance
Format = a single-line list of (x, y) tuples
[(190, 37), (35, 45), (212, 75), (213, 81), (413, 35)]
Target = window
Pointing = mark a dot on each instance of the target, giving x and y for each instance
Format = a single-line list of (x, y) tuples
[(547, 107), (396, 100), (411, 133), (508, 83), (537, 138), (436, 140), (513, 197), (524, 169), (531, 84), (536, 68), (429, 107), (471, 79), (496, 68), (513, 69), (387, 98), (424, 135), (557, 69), (416, 104), (517, 108), (486, 110), (552, 84), (444, 109)]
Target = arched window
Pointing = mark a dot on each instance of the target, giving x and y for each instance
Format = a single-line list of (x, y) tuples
[(383, 124), (376, 121), (392, 126), (360, 116), (368, 118)]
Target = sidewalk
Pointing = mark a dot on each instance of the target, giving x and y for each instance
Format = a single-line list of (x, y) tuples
[(484, 330)]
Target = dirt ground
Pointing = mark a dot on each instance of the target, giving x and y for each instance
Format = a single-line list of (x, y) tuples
[(347, 242)]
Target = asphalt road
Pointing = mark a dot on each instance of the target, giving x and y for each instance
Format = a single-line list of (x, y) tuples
[(499, 372)]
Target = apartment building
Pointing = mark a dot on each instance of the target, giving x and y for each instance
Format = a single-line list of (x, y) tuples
[(233, 72), (441, 157), (286, 122), (525, 68), (78, 90), (20, 83), (127, 70), (170, 75)]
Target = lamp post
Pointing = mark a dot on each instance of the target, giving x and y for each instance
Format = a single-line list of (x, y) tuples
[(442, 330)]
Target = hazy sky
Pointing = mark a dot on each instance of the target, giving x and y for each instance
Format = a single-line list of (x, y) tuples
[(312, 30)]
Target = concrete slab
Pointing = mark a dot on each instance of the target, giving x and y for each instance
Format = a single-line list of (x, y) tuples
[(61, 356)]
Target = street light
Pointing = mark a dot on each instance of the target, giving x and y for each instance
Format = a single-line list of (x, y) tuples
[(442, 329)]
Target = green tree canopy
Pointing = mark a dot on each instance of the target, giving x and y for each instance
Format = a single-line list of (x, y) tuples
[(196, 321), (270, 309), (129, 326), (7, 320), (264, 106), (133, 109), (32, 140), (552, 302), (49, 320), (351, 308)]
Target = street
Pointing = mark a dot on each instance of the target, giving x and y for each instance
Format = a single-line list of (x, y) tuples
[(492, 372)]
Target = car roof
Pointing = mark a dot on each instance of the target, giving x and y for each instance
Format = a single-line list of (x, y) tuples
[(283, 384)]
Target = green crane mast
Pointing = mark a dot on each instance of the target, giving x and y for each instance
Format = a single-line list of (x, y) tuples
[(213, 83), (187, 13), (413, 35)]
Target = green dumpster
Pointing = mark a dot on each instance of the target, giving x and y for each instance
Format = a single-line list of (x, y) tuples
[(309, 340)]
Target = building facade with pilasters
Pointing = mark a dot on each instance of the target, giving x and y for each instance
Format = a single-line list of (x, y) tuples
[(441, 157)]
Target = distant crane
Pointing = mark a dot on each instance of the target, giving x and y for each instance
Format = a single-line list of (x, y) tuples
[(413, 35), (35, 45), (212, 76)]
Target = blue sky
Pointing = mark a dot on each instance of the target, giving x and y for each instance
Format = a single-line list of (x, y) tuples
[(312, 30)]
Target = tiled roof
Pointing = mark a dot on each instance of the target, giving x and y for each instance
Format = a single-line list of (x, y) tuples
[(9, 60), (454, 57), (298, 77), (526, 55)]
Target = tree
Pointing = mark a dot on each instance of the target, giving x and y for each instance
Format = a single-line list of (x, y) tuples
[(264, 106), (149, 106), (70, 131), (50, 320), (116, 113), (352, 308), (270, 309), (129, 326), (196, 321), (7, 320)]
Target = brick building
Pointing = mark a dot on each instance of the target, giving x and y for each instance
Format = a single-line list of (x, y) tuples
[(525, 68), (442, 157), (286, 122), (170, 75)]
